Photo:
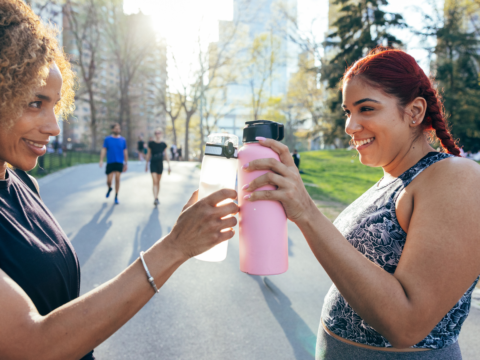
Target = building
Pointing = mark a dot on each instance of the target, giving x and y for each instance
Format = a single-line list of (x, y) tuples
[(149, 86), (146, 79)]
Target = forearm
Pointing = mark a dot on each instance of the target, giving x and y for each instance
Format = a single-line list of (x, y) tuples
[(102, 154), (74, 329), (377, 296), (125, 155)]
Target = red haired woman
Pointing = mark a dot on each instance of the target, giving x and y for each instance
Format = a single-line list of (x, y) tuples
[(404, 257), (42, 315)]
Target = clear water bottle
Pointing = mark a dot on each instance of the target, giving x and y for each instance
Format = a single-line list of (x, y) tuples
[(219, 171)]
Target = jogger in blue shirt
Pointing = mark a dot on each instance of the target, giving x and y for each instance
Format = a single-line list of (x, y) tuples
[(115, 146)]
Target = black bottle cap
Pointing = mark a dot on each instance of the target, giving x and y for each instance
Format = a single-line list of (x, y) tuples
[(264, 128)]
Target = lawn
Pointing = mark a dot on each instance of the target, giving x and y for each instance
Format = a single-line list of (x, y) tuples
[(336, 175)]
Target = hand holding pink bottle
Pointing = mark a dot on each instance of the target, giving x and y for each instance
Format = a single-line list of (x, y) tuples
[(262, 224)]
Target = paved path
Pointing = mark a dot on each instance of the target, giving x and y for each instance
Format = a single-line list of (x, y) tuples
[(206, 310)]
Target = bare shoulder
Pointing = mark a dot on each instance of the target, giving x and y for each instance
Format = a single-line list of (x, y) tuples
[(35, 182), (453, 183), (453, 173)]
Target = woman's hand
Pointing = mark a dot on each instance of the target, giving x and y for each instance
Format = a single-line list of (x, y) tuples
[(290, 189), (200, 224)]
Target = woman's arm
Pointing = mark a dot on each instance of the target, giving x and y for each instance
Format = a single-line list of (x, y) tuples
[(77, 327), (439, 262)]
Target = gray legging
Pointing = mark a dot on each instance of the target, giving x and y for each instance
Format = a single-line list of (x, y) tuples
[(329, 348)]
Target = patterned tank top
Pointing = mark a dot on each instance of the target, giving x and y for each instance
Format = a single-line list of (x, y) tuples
[(371, 226)]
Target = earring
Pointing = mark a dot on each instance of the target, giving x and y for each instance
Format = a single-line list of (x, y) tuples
[(413, 122)]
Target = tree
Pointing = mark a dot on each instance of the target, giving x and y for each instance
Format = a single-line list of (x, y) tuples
[(189, 101), (361, 27), (83, 25), (306, 96), (131, 42), (205, 73), (172, 105), (458, 73), (215, 107), (262, 60)]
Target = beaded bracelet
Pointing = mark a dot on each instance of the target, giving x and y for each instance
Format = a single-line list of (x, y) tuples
[(150, 278)]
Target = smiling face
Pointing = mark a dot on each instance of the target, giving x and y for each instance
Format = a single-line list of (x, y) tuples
[(26, 140), (380, 130)]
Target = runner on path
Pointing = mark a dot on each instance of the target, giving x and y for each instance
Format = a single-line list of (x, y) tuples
[(115, 146), (179, 154), (296, 158), (141, 148), (157, 151)]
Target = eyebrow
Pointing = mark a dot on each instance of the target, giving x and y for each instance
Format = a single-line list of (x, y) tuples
[(46, 98), (365, 100), (362, 101), (43, 97)]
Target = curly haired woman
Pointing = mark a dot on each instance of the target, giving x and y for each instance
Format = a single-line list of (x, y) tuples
[(42, 315), (404, 257)]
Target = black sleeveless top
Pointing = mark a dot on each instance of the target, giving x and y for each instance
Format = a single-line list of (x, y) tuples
[(370, 224), (157, 150), (34, 250)]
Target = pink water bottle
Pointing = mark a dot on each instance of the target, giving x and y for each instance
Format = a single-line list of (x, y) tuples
[(262, 224)]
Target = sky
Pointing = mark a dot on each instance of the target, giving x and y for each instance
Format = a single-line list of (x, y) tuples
[(181, 21)]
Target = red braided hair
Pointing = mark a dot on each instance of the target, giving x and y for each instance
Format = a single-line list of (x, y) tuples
[(398, 74)]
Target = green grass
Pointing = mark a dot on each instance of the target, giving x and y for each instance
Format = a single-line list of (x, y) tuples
[(50, 163), (337, 175)]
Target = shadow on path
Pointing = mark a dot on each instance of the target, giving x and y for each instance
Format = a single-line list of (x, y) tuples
[(301, 338), (148, 236), (90, 235)]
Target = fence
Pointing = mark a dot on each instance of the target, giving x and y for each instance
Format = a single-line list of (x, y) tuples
[(51, 162)]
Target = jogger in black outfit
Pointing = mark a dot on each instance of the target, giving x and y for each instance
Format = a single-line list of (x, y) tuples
[(155, 155)]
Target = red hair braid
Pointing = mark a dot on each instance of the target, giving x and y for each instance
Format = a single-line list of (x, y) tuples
[(398, 74), (435, 120)]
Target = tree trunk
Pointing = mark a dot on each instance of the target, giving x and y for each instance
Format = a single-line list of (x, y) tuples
[(201, 129), (93, 119), (122, 102), (174, 131), (129, 135), (187, 127)]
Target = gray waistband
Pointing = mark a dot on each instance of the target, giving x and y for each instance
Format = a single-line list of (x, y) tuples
[(329, 348)]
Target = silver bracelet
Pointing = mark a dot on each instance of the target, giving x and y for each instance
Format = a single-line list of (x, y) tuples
[(150, 278)]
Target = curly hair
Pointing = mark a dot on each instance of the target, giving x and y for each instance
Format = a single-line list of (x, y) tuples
[(398, 74), (27, 50)]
